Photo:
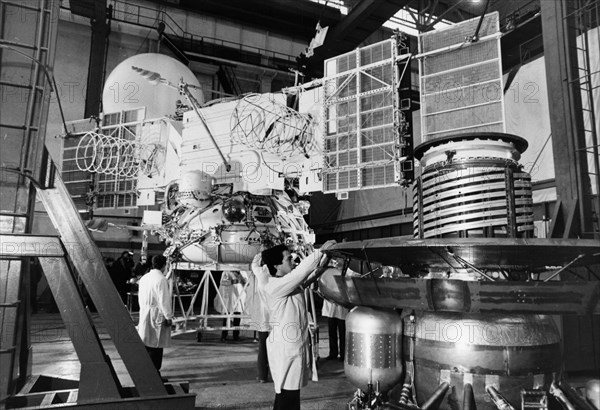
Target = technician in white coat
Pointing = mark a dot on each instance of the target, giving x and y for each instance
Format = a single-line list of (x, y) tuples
[(231, 300), (288, 346), (336, 324), (259, 314), (156, 315)]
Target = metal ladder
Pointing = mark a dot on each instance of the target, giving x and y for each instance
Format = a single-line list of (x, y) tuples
[(585, 13), (27, 37)]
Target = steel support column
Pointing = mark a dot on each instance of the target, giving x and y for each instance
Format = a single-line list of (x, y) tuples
[(573, 215), (100, 22)]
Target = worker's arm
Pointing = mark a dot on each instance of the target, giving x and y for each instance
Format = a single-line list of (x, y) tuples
[(286, 285), (261, 272)]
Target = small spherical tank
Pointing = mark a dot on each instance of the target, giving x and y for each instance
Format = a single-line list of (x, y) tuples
[(509, 352), (234, 209), (373, 348)]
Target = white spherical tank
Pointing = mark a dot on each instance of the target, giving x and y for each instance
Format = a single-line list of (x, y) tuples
[(126, 89), (373, 348)]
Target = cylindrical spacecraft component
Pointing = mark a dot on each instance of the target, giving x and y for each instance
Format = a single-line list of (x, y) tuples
[(373, 348), (472, 186), (510, 352), (194, 189)]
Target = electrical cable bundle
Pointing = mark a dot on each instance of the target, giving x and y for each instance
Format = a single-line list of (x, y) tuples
[(265, 125)]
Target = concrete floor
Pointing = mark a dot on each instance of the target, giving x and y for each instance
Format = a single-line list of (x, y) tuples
[(222, 375)]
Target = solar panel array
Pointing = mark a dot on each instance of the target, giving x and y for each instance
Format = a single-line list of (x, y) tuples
[(461, 79), (361, 137)]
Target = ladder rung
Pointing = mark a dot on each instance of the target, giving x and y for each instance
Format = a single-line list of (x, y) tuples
[(21, 45), (18, 127), (14, 214), (589, 147), (15, 85), (8, 305)]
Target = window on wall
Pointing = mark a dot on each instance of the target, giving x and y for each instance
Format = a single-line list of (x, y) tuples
[(115, 190), (110, 189)]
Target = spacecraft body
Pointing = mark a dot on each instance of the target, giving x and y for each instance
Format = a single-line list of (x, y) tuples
[(237, 160), (228, 175)]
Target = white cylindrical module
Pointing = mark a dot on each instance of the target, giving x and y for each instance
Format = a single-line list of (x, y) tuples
[(472, 185), (194, 189), (373, 348)]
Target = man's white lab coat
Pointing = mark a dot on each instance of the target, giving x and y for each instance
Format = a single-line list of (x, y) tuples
[(256, 304), (288, 345), (155, 306), (231, 289), (334, 310)]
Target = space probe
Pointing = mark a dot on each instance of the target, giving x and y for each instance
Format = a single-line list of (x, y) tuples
[(466, 321)]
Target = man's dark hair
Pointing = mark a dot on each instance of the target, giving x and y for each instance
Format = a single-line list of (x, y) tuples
[(158, 262), (273, 256), (125, 253)]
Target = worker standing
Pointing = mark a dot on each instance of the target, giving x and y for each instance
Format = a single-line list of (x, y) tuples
[(156, 315), (120, 273), (288, 347), (259, 315), (230, 300), (336, 324)]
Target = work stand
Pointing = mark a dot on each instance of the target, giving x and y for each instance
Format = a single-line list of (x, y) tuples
[(189, 321), (67, 259)]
